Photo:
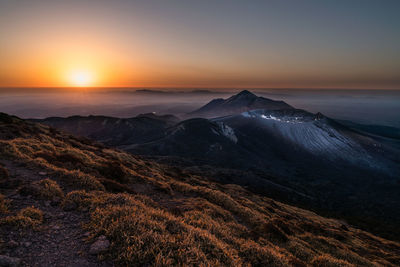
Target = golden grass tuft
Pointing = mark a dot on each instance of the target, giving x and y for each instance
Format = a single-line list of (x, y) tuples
[(3, 204), (3, 173), (32, 213), (50, 189), (43, 189), (26, 218), (81, 180), (328, 261)]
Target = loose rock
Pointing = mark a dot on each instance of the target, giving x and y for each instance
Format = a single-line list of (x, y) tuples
[(68, 206), (12, 244), (56, 201), (101, 245), (6, 261)]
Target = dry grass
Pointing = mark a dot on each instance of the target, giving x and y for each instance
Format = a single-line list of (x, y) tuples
[(3, 205), (176, 219), (3, 173), (28, 217), (43, 189), (328, 261), (50, 189), (32, 213)]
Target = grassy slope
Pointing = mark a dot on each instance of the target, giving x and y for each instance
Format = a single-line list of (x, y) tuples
[(158, 215)]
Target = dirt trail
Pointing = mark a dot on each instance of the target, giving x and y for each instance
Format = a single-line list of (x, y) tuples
[(59, 241)]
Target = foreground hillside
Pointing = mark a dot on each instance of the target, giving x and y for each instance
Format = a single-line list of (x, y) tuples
[(69, 201)]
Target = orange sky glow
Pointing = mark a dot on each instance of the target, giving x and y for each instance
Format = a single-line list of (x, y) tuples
[(121, 44)]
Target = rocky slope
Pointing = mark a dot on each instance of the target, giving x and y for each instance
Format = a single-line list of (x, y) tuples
[(137, 212)]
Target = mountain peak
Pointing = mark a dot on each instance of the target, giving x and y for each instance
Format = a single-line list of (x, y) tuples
[(243, 96), (243, 101), (245, 93)]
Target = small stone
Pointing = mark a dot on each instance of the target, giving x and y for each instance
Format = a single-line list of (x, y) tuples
[(56, 227), (81, 262), (102, 238), (17, 196), (12, 244), (42, 173), (56, 201), (47, 203), (27, 244), (9, 261), (86, 234), (101, 245), (70, 206)]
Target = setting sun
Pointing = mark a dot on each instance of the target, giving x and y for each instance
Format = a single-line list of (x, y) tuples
[(81, 78)]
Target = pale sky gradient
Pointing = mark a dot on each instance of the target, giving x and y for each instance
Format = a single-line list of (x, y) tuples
[(306, 44)]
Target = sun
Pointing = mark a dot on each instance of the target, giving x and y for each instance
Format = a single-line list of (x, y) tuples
[(81, 78)]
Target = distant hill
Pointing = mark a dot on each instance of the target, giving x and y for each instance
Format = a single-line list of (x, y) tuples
[(243, 101), (114, 131), (380, 130), (68, 201)]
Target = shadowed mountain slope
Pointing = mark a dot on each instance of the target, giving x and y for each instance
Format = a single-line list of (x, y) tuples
[(114, 131), (138, 212)]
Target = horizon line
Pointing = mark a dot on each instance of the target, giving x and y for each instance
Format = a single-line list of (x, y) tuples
[(192, 88)]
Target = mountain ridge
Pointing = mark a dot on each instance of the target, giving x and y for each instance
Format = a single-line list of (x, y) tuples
[(241, 102), (111, 130)]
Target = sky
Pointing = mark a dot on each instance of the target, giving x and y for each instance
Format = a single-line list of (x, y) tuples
[(207, 44)]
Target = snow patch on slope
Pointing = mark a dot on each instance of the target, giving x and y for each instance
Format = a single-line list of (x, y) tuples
[(315, 136), (180, 128), (227, 131), (288, 119)]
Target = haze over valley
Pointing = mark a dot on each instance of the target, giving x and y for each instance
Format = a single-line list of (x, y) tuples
[(379, 107)]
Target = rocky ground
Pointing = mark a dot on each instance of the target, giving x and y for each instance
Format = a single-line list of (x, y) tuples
[(60, 241)]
